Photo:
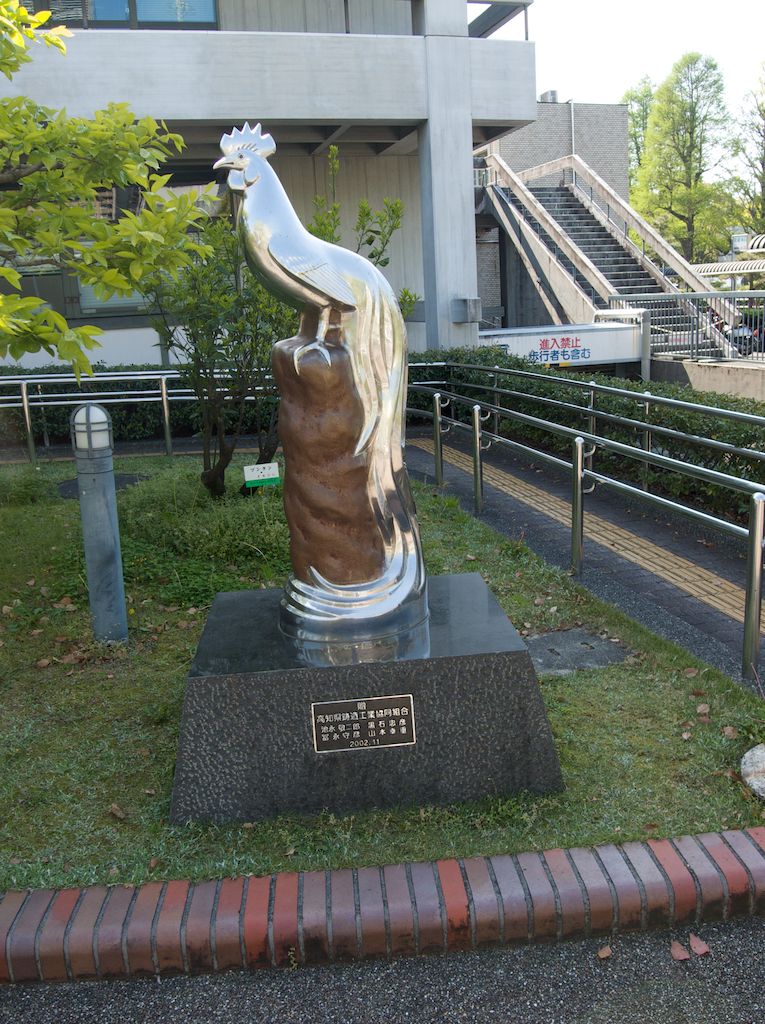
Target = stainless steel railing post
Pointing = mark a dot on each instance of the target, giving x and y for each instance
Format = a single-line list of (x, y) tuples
[(28, 423), (645, 346), (753, 606), (493, 377), (577, 505), (647, 437), (477, 461), (166, 415), (438, 454)]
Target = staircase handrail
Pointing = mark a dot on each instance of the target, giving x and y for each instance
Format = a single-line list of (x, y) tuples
[(713, 335), (668, 255), (529, 201)]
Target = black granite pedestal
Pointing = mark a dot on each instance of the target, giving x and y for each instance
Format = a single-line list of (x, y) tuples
[(263, 733)]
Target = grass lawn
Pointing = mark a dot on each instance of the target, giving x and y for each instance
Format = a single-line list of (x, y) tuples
[(88, 735)]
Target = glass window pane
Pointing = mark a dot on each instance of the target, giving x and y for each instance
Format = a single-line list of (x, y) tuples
[(90, 303), (108, 10), (176, 10)]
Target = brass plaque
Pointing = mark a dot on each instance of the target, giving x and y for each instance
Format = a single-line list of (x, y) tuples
[(363, 723)]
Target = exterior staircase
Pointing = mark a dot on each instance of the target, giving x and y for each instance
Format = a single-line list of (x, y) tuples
[(612, 259)]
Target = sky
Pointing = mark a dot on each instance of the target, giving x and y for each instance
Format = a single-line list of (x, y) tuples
[(592, 51)]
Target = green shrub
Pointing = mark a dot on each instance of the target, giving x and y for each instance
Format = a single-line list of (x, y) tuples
[(23, 485), (173, 512)]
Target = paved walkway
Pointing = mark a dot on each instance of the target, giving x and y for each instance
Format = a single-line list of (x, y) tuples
[(561, 983), (684, 582)]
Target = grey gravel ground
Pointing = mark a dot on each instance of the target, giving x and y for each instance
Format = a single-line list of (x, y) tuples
[(557, 984)]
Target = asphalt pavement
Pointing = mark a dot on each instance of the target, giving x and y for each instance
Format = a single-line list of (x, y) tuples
[(546, 984)]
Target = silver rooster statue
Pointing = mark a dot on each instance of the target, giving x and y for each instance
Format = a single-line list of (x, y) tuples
[(358, 572)]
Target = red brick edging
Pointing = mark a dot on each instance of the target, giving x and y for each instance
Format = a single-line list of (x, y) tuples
[(401, 909)]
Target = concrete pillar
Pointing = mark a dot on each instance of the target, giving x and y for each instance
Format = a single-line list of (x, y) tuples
[(446, 177), (508, 280)]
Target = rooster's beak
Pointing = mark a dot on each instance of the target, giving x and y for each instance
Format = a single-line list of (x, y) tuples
[(225, 161)]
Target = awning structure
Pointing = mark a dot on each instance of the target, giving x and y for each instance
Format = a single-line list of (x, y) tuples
[(732, 269), (757, 244)]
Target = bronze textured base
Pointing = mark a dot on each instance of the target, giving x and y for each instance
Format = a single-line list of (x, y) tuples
[(266, 732)]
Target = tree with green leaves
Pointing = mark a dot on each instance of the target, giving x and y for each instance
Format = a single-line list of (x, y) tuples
[(686, 137), (373, 229), (221, 324), (750, 147), (638, 101), (52, 170)]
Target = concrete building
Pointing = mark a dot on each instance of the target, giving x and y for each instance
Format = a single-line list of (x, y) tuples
[(406, 88)]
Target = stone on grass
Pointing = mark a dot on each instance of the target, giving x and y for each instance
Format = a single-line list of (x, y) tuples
[(753, 770)]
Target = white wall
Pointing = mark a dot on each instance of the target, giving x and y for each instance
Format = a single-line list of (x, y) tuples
[(374, 178), (125, 345)]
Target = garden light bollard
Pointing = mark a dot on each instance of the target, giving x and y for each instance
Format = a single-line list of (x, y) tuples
[(91, 430)]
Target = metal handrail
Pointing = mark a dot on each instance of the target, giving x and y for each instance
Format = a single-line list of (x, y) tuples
[(621, 421), (755, 534), (711, 476)]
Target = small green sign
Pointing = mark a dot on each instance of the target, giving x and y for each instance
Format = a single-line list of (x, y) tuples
[(261, 476)]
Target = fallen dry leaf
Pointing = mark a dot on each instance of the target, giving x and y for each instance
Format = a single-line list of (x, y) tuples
[(7, 610), (150, 792), (702, 709), (699, 947), (698, 693), (35, 632), (678, 951), (470, 558), (248, 824), (651, 826), (539, 601), (42, 663), (604, 952), (63, 602), (730, 732), (685, 735), (116, 811), (153, 863), (290, 852), (690, 673), (31, 582), (704, 719)]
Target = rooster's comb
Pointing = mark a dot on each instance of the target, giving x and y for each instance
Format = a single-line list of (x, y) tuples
[(248, 138)]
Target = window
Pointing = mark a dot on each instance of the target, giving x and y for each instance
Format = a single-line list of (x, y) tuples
[(131, 13)]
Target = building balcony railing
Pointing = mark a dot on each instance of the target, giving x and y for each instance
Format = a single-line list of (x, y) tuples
[(155, 14)]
